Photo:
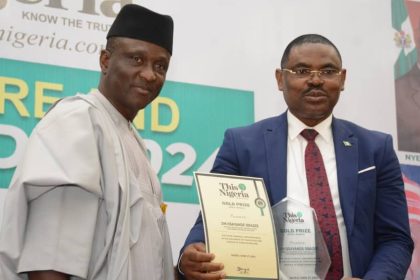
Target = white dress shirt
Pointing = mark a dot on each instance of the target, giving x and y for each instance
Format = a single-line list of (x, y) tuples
[(297, 186)]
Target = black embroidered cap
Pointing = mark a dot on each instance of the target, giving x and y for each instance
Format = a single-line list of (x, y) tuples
[(137, 22)]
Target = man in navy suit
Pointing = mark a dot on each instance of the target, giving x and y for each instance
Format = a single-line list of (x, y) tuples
[(361, 165)]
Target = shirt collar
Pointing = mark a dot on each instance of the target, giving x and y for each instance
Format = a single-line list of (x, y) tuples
[(295, 127)]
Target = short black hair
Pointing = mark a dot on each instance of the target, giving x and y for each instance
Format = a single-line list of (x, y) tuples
[(306, 39)]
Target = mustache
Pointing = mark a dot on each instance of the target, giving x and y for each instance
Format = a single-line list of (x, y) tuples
[(315, 91)]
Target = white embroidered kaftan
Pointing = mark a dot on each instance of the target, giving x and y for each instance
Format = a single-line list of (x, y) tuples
[(84, 200)]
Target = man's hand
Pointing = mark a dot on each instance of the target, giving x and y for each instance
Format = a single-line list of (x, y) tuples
[(196, 264)]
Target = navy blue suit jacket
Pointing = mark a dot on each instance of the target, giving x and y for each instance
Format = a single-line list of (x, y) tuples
[(373, 202)]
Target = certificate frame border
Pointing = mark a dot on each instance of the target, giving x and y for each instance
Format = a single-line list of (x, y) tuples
[(254, 179)]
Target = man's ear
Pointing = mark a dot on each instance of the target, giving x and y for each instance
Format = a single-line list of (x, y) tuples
[(104, 60), (343, 78), (279, 78)]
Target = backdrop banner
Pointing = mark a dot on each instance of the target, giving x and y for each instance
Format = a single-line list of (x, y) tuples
[(221, 76)]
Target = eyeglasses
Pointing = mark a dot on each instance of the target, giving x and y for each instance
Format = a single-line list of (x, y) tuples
[(326, 74)]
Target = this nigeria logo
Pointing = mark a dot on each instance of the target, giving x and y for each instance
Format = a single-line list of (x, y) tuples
[(242, 187)]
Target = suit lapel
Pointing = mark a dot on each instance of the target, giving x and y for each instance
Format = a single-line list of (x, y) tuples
[(347, 156), (275, 137)]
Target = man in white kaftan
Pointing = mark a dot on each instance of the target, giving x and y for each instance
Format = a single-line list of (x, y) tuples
[(85, 203)]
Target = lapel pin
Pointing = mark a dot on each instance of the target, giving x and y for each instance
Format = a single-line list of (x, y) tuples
[(347, 143)]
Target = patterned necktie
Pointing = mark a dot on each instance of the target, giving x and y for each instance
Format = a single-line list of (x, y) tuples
[(321, 201)]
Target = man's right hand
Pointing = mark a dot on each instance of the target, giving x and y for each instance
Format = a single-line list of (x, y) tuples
[(196, 264)]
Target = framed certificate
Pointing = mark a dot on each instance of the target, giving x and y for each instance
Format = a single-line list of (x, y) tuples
[(238, 225)]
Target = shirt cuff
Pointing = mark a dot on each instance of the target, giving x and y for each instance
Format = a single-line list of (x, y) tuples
[(179, 262)]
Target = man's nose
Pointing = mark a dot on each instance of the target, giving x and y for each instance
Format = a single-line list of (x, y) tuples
[(147, 73), (315, 77)]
